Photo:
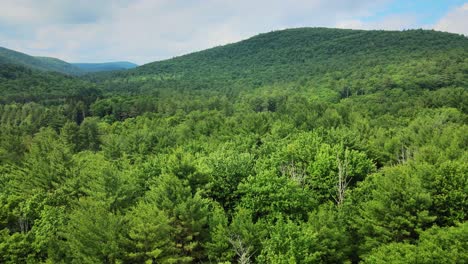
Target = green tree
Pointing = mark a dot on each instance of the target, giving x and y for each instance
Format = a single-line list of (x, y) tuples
[(436, 245), (70, 135), (187, 213), (89, 135), (398, 208), (289, 243), (93, 233), (268, 195), (149, 234)]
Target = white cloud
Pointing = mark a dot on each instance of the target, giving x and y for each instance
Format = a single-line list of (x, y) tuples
[(392, 22), (351, 24), (148, 30), (455, 21), (36, 13)]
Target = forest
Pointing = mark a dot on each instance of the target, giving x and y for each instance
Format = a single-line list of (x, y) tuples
[(307, 145)]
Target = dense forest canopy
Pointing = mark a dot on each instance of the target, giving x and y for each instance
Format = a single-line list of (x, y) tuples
[(306, 145)]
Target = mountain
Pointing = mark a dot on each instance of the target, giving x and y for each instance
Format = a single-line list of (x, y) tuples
[(107, 66), (8, 56), (302, 54)]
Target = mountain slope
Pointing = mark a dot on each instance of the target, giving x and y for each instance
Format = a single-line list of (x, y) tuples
[(8, 56), (306, 54), (106, 66), (23, 84)]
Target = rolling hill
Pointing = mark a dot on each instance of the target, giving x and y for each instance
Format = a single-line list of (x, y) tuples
[(8, 56), (312, 55), (336, 62)]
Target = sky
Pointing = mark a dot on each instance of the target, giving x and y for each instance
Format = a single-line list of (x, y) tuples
[(143, 31)]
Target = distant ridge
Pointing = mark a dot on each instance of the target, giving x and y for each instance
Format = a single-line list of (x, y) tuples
[(8, 56), (105, 66)]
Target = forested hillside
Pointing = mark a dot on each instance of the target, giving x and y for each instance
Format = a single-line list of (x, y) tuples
[(306, 145), (318, 56), (8, 56), (48, 64)]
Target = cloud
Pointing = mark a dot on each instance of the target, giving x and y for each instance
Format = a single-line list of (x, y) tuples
[(456, 21), (32, 12), (391, 22), (148, 30)]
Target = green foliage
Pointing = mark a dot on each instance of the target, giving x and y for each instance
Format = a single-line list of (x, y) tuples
[(92, 233), (307, 145), (268, 195), (289, 243), (322, 239), (245, 235), (46, 165), (187, 213), (228, 168), (218, 248), (397, 210), (435, 246), (88, 135), (149, 234)]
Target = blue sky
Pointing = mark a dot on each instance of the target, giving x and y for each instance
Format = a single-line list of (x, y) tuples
[(142, 31), (426, 11)]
